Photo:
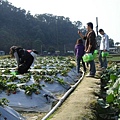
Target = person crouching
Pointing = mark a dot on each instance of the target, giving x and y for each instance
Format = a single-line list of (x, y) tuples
[(23, 57)]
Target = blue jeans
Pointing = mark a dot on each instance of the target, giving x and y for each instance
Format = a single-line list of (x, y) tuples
[(92, 67), (102, 60), (78, 59)]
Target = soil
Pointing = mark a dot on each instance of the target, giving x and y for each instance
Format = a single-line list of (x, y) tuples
[(78, 106)]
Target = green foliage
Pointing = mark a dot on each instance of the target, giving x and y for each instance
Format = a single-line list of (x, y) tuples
[(32, 88), (3, 84), (53, 66), (111, 42), (111, 80), (11, 87), (42, 31), (48, 79), (3, 102), (60, 80)]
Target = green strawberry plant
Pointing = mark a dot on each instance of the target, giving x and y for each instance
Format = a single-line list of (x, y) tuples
[(60, 81), (111, 80), (3, 84), (48, 79), (3, 102), (11, 88), (32, 88)]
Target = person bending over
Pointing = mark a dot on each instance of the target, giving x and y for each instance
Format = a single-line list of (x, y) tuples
[(23, 57)]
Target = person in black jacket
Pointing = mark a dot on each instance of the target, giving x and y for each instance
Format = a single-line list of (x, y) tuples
[(23, 57), (90, 46)]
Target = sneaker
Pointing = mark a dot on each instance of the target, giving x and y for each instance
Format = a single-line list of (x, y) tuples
[(89, 75)]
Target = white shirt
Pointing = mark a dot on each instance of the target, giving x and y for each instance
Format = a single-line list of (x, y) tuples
[(34, 55), (104, 44), (17, 58)]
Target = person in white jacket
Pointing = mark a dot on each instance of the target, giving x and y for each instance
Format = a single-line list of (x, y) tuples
[(34, 53), (104, 46)]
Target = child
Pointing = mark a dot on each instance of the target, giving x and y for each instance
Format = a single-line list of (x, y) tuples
[(79, 52), (23, 57)]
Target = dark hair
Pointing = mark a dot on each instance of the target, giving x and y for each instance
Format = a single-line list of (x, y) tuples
[(79, 41), (13, 49), (90, 25), (101, 30)]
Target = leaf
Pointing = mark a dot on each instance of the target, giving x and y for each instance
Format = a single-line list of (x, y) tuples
[(113, 77), (110, 98)]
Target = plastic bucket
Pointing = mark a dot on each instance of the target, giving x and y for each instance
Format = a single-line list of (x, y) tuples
[(95, 51), (105, 54), (95, 54), (88, 57)]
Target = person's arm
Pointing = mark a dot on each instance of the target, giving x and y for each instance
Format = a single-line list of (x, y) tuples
[(75, 50), (106, 43), (81, 35), (17, 58), (91, 38), (89, 48)]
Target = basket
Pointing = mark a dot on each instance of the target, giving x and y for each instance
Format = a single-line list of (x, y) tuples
[(105, 54), (95, 54), (88, 57)]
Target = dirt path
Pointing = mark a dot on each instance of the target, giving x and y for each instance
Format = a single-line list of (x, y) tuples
[(76, 106)]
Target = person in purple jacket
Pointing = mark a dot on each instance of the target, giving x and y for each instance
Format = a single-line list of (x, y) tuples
[(79, 52)]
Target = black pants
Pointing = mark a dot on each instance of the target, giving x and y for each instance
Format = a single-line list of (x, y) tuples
[(23, 67)]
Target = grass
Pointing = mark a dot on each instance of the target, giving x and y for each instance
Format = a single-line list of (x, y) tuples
[(4, 56), (111, 58), (114, 58)]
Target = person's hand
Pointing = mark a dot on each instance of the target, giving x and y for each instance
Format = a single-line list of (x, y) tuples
[(79, 32), (87, 51), (16, 68)]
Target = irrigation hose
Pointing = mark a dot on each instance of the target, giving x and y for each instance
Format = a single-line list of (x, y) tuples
[(64, 97)]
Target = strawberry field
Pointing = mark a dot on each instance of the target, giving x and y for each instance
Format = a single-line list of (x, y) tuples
[(41, 87)]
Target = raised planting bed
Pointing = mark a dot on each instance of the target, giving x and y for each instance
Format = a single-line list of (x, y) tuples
[(39, 89)]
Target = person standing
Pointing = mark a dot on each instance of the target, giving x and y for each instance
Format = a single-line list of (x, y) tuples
[(90, 46), (104, 47), (79, 52)]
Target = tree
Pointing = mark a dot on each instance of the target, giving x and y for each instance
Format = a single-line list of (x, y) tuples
[(78, 24), (111, 42), (51, 49), (117, 43), (19, 27)]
